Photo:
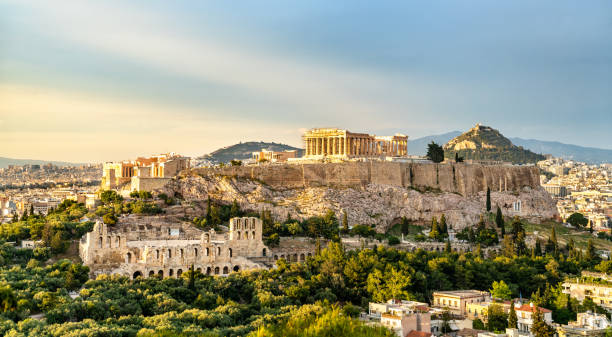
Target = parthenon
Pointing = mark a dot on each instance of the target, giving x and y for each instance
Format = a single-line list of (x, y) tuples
[(343, 143)]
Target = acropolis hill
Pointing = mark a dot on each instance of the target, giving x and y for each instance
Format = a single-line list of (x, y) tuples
[(372, 192)]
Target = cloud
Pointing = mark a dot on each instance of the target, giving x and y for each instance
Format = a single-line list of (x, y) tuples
[(146, 37)]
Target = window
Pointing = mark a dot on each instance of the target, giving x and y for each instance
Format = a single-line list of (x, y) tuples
[(218, 251), (169, 253)]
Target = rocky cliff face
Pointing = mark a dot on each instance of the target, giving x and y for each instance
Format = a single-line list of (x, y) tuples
[(372, 203)]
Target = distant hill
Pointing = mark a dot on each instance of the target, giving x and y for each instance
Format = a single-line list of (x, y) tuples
[(242, 151), (589, 155), (418, 146), (485, 143), (5, 162)]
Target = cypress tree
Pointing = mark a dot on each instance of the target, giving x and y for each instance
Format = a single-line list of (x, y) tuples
[(443, 228), (553, 239), (539, 327), (405, 228), (447, 248), (512, 318), (345, 225), (499, 218), (488, 199), (208, 212), (435, 232), (590, 252), (538, 247)]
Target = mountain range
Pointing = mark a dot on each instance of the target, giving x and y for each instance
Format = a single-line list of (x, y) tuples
[(5, 162), (589, 155)]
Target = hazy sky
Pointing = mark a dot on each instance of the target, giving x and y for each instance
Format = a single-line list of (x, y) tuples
[(103, 80)]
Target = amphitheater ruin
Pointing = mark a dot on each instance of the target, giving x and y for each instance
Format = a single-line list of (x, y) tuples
[(159, 248)]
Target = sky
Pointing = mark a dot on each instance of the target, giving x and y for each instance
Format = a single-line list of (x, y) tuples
[(91, 81)]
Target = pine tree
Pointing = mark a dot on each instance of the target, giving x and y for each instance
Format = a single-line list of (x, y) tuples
[(512, 318), (538, 247), (345, 225), (488, 199)]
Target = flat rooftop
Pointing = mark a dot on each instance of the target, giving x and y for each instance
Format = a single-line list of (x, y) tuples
[(460, 293)]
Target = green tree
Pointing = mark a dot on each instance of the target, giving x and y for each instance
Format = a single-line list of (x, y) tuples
[(497, 320), (57, 243), (577, 220), (443, 227), (457, 158), (591, 255), (435, 231), (477, 324), (539, 327), (499, 220), (501, 290), (109, 196), (435, 152), (110, 219), (393, 240), (447, 247), (235, 162), (8, 300), (488, 203), (235, 209), (512, 318), (345, 226), (405, 226)]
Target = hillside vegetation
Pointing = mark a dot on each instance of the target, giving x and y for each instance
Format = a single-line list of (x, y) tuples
[(485, 143), (242, 151)]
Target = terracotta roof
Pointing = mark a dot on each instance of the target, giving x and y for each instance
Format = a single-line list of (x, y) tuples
[(527, 307), (415, 333)]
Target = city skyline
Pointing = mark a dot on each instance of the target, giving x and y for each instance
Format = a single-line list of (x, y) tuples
[(90, 82)]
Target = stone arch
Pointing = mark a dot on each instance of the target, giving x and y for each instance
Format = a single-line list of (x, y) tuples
[(309, 254), (282, 256), (208, 270), (225, 270), (238, 235), (136, 275), (181, 253), (108, 241), (151, 273), (118, 241), (216, 270), (253, 225), (100, 242), (218, 251), (199, 270), (302, 257), (246, 235), (229, 252), (169, 253), (207, 252), (207, 237), (128, 257), (295, 257), (236, 268), (195, 252), (179, 272), (160, 274), (263, 252), (253, 235), (157, 254), (170, 272)]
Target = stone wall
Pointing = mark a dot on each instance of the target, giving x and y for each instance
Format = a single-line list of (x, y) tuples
[(152, 246), (465, 179)]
